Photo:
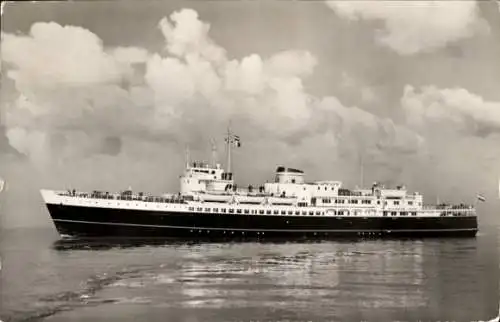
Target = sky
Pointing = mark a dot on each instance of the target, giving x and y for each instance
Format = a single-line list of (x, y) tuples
[(108, 94)]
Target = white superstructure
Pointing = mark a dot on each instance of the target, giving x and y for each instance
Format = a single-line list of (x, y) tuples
[(209, 188)]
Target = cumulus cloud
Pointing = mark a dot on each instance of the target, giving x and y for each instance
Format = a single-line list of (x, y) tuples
[(412, 27), (189, 36), (456, 108), (60, 53), (84, 104), (462, 131)]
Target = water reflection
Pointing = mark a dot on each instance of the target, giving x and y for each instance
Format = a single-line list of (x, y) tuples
[(335, 280), (322, 276)]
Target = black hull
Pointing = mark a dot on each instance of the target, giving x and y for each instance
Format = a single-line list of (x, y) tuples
[(101, 222)]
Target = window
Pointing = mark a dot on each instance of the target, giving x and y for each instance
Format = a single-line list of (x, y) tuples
[(268, 212), (238, 211), (207, 209), (354, 201), (216, 209), (283, 212), (410, 203), (247, 211), (223, 210), (393, 213), (290, 212), (261, 212), (276, 212), (297, 212), (231, 211), (396, 203)]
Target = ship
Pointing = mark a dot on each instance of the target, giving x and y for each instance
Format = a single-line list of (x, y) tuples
[(210, 205)]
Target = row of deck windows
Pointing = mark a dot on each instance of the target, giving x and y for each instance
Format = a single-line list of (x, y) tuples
[(363, 201), (260, 211), (296, 212), (401, 213)]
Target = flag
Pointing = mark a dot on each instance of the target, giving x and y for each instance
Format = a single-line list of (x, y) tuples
[(481, 197), (234, 139)]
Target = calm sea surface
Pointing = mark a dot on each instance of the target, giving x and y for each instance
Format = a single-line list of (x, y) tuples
[(376, 280)]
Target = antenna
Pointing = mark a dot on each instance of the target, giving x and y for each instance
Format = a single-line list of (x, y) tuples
[(362, 170), (214, 152), (187, 157)]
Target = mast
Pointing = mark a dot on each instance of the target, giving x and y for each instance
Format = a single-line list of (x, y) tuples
[(228, 144), (214, 152)]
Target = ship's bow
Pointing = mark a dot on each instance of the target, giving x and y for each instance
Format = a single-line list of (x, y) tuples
[(53, 201)]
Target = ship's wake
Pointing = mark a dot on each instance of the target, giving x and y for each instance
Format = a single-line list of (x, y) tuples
[(86, 296)]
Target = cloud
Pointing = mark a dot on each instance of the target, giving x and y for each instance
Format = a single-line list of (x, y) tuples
[(189, 36), (89, 106), (130, 55), (456, 108), (67, 56), (412, 27), (462, 133)]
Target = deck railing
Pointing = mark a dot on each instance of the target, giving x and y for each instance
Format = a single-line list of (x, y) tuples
[(126, 197), (427, 210)]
